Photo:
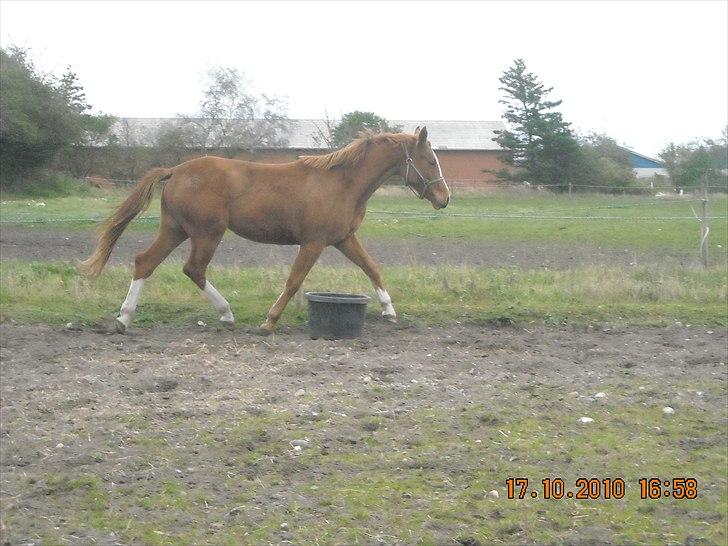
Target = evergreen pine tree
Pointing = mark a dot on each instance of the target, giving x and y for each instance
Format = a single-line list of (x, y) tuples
[(72, 91), (540, 140)]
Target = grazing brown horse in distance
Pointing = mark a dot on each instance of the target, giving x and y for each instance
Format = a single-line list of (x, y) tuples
[(314, 202)]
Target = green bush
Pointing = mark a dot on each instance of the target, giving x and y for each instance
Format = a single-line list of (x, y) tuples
[(35, 119), (601, 165), (39, 116), (46, 184), (691, 164)]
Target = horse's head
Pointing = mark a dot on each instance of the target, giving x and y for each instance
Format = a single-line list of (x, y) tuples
[(422, 173)]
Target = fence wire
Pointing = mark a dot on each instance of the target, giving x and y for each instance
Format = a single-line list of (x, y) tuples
[(593, 213), (395, 214), (488, 184), (398, 214)]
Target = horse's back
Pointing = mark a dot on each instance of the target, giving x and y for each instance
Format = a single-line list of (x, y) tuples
[(236, 173), (257, 201)]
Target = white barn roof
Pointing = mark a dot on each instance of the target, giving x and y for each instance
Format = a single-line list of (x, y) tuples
[(444, 135), (303, 133)]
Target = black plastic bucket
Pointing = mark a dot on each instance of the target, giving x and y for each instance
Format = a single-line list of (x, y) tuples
[(336, 316)]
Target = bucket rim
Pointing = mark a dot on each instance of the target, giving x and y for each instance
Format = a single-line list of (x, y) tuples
[(338, 297)]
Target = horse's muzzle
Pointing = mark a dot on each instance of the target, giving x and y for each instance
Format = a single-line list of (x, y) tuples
[(437, 205)]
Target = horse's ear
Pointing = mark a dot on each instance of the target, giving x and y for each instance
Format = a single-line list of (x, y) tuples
[(421, 136), (417, 130)]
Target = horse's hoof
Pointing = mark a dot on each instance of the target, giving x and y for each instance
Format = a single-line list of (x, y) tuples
[(228, 324), (264, 330), (390, 318), (119, 326)]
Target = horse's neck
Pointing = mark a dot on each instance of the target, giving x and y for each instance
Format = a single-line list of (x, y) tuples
[(383, 160)]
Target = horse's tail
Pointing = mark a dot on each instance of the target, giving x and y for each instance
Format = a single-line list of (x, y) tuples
[(114, 226)]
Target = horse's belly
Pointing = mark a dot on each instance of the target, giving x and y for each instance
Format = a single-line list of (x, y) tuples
[(265, 233), (283, 224)]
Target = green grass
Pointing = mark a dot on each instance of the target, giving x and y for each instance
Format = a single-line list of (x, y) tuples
[(46, 185), (620, 220), (56, 293), (631, 230), (80, 210), (650, 296), (423, 477)]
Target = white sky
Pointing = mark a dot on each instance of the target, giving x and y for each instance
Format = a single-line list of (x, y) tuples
[(646, 73)]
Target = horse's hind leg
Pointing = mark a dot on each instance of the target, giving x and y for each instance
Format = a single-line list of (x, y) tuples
[(169, 237), (352, 249), (307, 256), (203, 248)]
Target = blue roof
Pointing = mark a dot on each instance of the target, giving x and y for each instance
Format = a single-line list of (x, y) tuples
[(639, 161)]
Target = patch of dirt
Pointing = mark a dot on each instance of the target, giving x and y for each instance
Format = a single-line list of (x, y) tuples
[(40, 244), (79, 402)]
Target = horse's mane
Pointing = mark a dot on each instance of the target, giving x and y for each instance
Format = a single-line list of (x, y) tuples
[(351, 154)]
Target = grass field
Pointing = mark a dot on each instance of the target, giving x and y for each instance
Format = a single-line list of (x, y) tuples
[(434, 295), (444, 294), (612, 221)]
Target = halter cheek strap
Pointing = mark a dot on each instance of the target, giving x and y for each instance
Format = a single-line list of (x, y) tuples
[(426, 183)]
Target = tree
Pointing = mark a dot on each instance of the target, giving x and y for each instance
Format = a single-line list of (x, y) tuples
[(601, 165), (94, 128), (606, 146), (541, 142), (35, 120), (688, 165), (324, 136), (353, 123), (72, 91), (232, 116), (39, 115), (174, 139)]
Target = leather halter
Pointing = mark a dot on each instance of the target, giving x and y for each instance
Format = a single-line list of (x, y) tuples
[(426, 183)]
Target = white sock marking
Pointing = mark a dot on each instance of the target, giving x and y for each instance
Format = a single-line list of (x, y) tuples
[(385, 301), (220, 304), (130, 303)]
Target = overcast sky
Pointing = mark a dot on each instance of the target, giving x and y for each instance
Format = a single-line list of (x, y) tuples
[(646, 73)]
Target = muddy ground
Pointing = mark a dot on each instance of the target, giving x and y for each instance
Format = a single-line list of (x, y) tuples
[(163, 411), (56, 244)]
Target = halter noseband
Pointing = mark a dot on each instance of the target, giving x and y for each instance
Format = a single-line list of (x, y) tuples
[(426, 183)]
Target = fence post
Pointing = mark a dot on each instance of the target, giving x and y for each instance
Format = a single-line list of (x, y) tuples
[(704, 229)]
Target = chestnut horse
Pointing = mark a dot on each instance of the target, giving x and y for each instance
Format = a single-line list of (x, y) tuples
[(314, 202)]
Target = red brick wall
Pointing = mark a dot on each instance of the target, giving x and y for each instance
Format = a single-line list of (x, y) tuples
[(464, 168)]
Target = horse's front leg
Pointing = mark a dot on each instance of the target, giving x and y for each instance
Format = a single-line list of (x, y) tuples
[(307, 256), (352, 249)]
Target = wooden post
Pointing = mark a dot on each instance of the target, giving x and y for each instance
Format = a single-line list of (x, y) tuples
[(704, 229)]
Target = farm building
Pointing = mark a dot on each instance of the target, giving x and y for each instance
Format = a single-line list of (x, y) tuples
[(645, 167), (465, 148)]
